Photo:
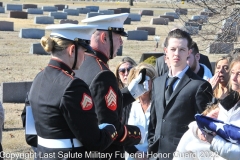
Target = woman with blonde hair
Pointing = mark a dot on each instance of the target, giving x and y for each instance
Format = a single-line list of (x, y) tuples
[(61, 103), (140, 110), (220, 79)]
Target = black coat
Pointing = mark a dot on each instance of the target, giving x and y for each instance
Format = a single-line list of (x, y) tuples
[(63, 109), (109, 100), (168, 122)]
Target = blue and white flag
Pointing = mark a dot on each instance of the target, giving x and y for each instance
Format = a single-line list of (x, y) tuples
[(228, 132)]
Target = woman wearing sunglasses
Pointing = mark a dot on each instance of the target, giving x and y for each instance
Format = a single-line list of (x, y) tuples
[(122, 71)]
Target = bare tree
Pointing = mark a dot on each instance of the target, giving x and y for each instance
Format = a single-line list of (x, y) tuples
[(219, 19)]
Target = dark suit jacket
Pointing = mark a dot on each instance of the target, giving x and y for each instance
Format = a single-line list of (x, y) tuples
[(168, 123), (161, 67)]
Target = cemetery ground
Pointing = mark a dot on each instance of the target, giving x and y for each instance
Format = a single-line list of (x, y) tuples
[(17, 64)]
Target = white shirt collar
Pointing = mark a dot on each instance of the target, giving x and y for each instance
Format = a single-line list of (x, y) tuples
[(180, 74)]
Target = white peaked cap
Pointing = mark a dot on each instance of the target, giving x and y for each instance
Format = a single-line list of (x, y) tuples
[(106, 21), (72, 31)]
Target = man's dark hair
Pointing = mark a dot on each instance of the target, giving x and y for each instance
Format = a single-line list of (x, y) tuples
[(178, 33), (194, 48)]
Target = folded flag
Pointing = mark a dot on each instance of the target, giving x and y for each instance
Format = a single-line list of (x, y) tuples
[(228, 132)]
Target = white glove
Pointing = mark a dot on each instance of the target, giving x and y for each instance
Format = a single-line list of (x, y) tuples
[(101, 126), (137, 89)]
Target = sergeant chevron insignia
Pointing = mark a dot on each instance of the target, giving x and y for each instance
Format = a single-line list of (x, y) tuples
[(86, 102), (111, 99)]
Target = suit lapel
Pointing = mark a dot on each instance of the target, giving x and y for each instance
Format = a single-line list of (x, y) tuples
[(161, 89), (183, 82)]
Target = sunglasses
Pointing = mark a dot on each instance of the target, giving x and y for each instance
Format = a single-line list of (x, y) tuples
[(123, 70)]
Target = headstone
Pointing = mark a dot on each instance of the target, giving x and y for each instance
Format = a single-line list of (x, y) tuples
[(194, 24), (181, 11), (6, 26), (192, 30), (219, 47), (2, 10), (49, 8), (93, 8), (203, 18), (227, 35), (36, 48), (26, 6), (83, 10), (124, 10), (60, 7), (116, 11), (151, 30), (119, 52), (93, 14), (147, 55), (106, 12), (43, 20), (137, 35), (14, 92), (68, 21), (34, 11), (18, 14), (159, 21), (134, 17), (72, 12), (206, 14), (58, 15), (199, 21), (170, 18), (175, 15), (146, 12), (33, 33), (13, 7), (127, 21)]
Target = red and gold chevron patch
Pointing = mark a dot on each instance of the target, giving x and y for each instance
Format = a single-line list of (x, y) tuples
[(86, 102), (111, 99)]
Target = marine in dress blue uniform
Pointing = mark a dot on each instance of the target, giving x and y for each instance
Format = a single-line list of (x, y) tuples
[(108, 98), (62, 105)]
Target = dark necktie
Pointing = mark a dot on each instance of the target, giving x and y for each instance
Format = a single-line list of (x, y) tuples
[(169, 89)]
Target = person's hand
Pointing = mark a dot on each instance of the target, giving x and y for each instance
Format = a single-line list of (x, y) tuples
[(214, 80), (200, 135), (209, 137), (139, 155)]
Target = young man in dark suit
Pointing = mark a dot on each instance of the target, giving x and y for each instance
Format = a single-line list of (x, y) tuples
[(176, 97)]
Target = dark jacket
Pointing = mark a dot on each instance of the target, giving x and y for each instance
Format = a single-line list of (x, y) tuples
[(109, 100), (62, 108), (168, 122)]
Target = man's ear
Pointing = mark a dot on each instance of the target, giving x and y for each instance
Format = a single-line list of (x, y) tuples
[(197, 56), (71, 50), (103, 37), (165, 50)]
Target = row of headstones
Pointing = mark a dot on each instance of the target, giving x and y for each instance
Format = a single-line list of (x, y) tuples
[(87, 9)]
